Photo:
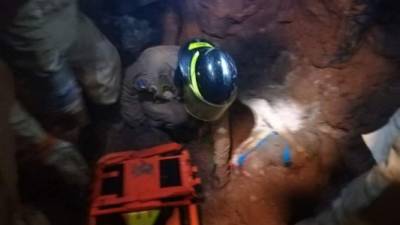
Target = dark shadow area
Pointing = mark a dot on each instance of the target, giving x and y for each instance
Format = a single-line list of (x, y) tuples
[(262, 63), (131, 26)]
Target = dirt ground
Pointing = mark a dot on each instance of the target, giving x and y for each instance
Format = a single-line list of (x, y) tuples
[(295, 47), (266, 194), (328, 56), (269, 193), (273, 193)]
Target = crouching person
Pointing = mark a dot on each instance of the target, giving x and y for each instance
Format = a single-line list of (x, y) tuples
[(169, 87)]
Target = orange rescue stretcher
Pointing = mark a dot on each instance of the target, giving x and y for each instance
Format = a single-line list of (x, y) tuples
[(148, 187)]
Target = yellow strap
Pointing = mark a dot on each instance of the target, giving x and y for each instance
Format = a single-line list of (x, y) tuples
[(196, 45), (142, 218)]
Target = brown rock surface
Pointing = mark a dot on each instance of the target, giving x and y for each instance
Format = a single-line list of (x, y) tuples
[(339, 59)]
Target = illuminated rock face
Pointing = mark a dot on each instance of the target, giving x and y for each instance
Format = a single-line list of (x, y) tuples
[(337, 58), (337, 61)]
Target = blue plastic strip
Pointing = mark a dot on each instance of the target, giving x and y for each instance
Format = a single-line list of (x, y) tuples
[(287, 156), (243, 157)]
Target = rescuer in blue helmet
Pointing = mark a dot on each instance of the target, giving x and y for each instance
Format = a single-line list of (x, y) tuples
[(168, 83), (169, 86), (207, 78)]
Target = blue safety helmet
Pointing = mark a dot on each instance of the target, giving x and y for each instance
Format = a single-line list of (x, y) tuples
[(208, 77)]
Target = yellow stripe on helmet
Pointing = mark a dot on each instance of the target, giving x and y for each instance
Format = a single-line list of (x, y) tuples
[(193, 80), (196, 45)]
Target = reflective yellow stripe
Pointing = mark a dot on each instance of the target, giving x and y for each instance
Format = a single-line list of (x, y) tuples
[(193, 80), (199, 45)]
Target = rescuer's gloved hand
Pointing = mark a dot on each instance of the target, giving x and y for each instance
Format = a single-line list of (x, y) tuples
[(68, 162)]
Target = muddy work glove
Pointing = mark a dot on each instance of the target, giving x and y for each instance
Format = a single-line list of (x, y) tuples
[(58, 154), (68, 163)]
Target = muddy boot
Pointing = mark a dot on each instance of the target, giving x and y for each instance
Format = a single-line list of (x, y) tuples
[(30, 216), (220, 177)]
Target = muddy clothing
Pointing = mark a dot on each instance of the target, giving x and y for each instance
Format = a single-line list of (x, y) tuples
[(223, 149), (51, 44), (151, 99), (12, 212), (25, 126), (364, 190), (222, 140), (59, 155), (149, 95)]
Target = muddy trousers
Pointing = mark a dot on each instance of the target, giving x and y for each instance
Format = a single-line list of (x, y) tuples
[(96, 63), (55, 77), (25, 126), (222, 151), (222, 141), (14, 120)]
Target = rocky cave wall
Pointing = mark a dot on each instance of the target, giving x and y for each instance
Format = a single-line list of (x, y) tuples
[(337, 59), (340, 56)]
